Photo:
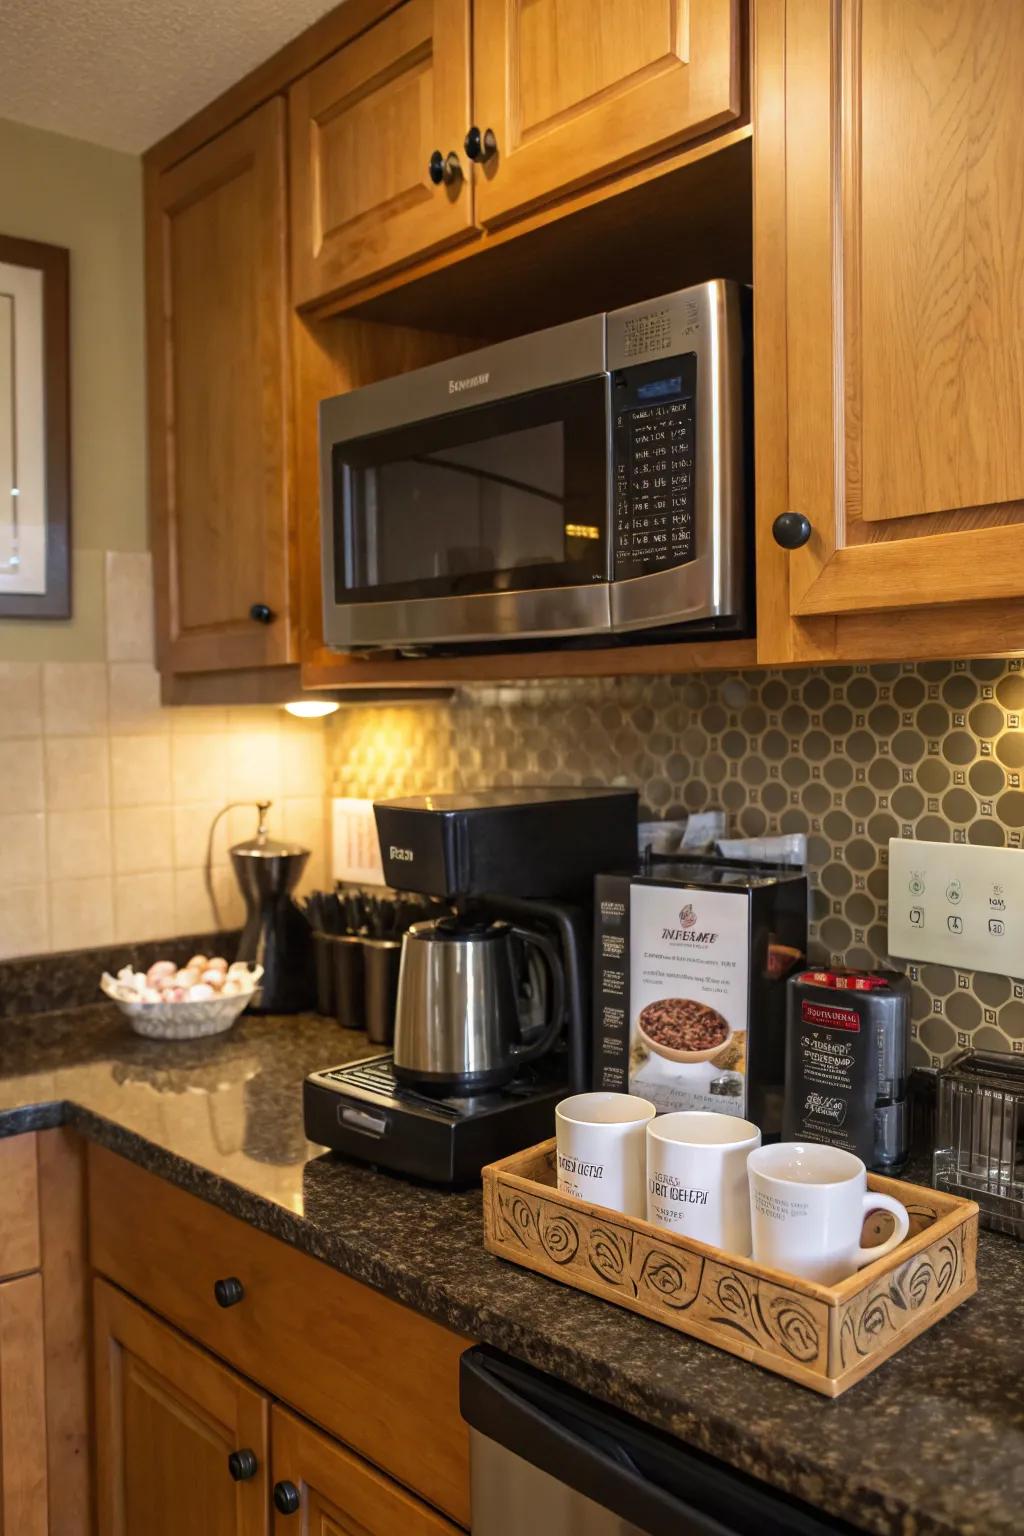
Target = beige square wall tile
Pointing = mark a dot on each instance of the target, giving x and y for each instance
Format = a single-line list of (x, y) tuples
[(129, 607), (192, 825), (144, 906), (244, 821), (193, 910), (77, 773), (78, 844), (24, 921), (21, 707), (81, 913), (197, 719), (135, 708), (254, 765), (22, 849), (303, 766), (143, 840), (200, 768), (140, 770), (74, 698), (21, 774), (305, 821)]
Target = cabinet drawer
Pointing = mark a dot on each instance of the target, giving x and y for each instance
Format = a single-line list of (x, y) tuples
[(372, 1372), (19, 1206), (338, 1492)]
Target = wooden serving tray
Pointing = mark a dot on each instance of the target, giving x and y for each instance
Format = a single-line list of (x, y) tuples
[(824, 1336)]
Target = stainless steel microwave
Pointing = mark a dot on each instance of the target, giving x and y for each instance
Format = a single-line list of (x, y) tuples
[(586, 480)]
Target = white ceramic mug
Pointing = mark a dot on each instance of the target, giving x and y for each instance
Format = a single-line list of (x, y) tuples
[(697, 1176), (601, 1149), (807, 1208)]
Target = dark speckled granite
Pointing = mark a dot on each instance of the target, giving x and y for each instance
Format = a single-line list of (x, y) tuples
[(932, 1443), (39, 983)]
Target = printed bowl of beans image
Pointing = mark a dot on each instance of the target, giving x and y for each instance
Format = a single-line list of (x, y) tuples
[(682, 1029)]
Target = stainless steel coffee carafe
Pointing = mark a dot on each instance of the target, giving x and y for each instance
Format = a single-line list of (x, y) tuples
[(457, 1022)]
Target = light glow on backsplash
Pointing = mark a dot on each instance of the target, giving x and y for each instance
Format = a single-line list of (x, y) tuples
[(851, 756)]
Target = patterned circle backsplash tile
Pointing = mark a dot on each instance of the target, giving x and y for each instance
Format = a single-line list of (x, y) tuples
[(851, 756)]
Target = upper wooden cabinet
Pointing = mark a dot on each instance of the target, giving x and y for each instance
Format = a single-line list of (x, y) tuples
[(169, 1418), (364, 126), (220, 418), (575, 89), (890, 321)]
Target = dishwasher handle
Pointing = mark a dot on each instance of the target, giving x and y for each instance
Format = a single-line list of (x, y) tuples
[(649, 1479)]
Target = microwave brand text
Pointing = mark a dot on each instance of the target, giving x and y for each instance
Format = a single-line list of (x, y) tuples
[(456, 386)]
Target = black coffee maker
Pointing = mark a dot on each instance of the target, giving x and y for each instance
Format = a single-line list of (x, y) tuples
[(492, 1023)]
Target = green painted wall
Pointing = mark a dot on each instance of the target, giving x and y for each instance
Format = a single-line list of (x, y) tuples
[(89, 199)]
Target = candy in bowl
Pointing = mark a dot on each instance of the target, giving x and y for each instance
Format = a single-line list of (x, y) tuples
[(171, 1002)]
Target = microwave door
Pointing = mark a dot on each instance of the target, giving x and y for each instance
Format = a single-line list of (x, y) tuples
[(488, 523)]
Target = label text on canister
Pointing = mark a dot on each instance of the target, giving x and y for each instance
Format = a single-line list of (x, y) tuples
[(827, 1017)]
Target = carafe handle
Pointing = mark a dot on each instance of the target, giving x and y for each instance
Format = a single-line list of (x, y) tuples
[(553, 1028)]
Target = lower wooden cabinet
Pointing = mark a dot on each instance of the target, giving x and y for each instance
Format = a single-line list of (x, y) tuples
[(186, 1445), (23, 1502), (337, 1493), (181, 1441)]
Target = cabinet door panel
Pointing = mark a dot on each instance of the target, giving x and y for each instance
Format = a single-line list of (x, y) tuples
[(896, 159), (220, 399), (340, 1495), (363, 128), (575, 89), (167, 1418), (23, 1492)]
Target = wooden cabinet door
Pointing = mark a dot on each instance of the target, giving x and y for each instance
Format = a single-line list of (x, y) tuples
[(575, 89), (889, 183), (339, 1494), (168, 1416), (23, 1494), (363, 128), (219, 399)]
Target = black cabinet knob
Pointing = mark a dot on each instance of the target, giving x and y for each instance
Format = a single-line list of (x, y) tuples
[(444, 168), (791, 530), (242, 1465), (261, 613), (286, 1497), (228, 1292), (481, 146)]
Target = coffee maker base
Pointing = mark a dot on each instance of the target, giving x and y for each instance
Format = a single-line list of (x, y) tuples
[(363, 1111)]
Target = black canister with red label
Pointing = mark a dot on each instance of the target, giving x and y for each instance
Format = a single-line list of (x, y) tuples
[(846, 1062)]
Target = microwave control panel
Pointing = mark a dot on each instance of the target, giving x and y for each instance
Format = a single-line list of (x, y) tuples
[(654, 433)]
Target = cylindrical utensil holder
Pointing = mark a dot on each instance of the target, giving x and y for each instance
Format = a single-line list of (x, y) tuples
[(349, 992), (323, 955), (381, 959)]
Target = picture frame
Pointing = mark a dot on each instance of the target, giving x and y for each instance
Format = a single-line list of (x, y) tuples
[(35, 430)]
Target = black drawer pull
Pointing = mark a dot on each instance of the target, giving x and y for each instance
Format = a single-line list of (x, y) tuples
[(791, 530), (261, 613), (286, 1497), (228, 1292), (242, 1465)]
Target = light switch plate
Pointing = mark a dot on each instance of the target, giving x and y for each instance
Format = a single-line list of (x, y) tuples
[(957, 904)]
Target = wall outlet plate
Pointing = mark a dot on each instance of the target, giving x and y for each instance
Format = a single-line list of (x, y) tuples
[(957, 904), (355, 847)]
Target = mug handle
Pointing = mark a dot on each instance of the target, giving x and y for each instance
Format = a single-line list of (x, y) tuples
[(875, 1202)]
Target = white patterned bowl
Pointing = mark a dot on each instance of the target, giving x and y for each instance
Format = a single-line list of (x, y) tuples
[(184, 1020)]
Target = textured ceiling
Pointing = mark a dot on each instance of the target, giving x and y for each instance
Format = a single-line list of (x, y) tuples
[(125, 72)]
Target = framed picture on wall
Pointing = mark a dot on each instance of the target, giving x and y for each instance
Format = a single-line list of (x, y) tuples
[(35, 452)]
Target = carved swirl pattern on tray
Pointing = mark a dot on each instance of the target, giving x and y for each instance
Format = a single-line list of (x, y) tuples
[(559, 1235), (669, 1279), (608, 1253), (792, 1325), (733, 1302), (518, 1217), (871, 1319)]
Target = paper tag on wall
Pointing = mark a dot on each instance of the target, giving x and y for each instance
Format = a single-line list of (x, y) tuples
[(355, 847)]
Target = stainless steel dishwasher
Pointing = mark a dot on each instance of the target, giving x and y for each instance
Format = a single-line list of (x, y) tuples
[(546, 1460)]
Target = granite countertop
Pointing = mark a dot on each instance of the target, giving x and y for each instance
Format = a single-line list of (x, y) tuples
[(933, 1442)]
